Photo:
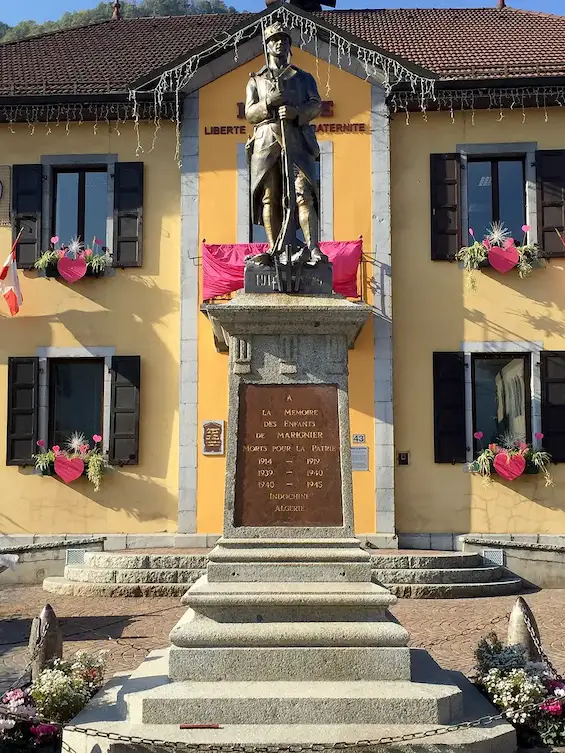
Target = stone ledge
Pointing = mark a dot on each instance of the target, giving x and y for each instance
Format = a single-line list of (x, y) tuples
[(516, 544), (445, 576), (58, 585), (455, 590)]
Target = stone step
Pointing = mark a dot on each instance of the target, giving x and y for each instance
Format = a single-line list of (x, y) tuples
[(502, 587), (119, 561), (297, 702), (427, 575), (59, 585), (290, 663), (419, 561), (79, 573), (430, 697), (281, 572)]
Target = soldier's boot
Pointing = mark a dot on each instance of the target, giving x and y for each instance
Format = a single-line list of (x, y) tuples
[(308, 220), (272, 222)]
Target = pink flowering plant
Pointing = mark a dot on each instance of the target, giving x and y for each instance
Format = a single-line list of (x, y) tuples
[(510, 457), (96, 256), (478, 254), (60, 692), (77, 447), (511, 682)]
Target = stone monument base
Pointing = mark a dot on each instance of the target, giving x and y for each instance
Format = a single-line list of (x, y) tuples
[(310, 656), (347, 702), (286, 640)]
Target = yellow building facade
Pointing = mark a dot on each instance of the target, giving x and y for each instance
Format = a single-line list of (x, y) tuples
[(376, 181)]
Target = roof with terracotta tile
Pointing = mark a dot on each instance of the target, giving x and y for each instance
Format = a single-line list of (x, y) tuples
[(456, 44)]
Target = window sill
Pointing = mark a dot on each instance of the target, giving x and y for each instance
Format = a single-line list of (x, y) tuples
[(536, 264), (530, 470), (51, 272)]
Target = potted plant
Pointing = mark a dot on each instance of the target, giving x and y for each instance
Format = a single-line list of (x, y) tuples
[(511, 458), (499, 251), (32, 716), (73, 262), (78, 459), (529, 693)]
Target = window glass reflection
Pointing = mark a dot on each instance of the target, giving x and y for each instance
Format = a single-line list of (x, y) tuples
[(479, 188), (499, 396), (95, 207), (76, 399), (66, 206), (511, 192)]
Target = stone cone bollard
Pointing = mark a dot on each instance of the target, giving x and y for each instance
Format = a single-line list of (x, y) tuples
[(518, 632), (45, 640)]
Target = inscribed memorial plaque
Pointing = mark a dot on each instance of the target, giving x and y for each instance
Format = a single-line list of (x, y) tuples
[(213, 438), (288, 456)]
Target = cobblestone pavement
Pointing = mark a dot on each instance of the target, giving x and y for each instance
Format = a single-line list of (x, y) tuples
[(130, 628)]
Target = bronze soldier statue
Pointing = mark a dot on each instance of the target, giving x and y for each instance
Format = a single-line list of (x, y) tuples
[(282, 92)]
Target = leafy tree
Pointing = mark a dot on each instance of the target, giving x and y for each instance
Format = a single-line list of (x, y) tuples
[(103, 11)]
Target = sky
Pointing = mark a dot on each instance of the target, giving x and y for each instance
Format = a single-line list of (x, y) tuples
[(12, 11)]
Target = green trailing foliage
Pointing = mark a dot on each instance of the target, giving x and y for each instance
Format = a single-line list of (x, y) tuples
[(103, 12)]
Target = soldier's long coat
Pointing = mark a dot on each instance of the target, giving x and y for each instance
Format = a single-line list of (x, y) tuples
[(301, 92)]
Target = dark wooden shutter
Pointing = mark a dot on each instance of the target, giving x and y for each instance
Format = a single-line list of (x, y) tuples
[(449, 408), (550, 176), (23, 409), (553, 404), (445, 174), (27, 197), (128, 214), (124, 410)]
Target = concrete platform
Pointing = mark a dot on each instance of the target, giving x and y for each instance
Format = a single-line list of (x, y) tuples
[(107, 714)]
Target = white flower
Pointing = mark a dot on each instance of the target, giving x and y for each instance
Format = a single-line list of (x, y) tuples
[(59, 696), (76, 441), (7, 724), (559, 692), (498, 233), (75, 247)]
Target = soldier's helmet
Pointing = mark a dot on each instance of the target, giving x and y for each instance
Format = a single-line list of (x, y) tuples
[(276, 29)]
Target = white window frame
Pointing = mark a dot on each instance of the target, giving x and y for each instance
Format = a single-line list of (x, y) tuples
[(528, 150), (49, 353), (532, 348)]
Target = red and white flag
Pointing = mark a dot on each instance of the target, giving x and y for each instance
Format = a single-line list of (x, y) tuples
[(9, 282)]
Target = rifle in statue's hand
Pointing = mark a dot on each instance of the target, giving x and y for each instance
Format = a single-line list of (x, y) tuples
[(287, 237)]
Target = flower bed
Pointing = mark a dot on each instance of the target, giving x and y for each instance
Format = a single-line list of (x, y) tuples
[(79, 459), (73, 262), (511, 458), (511, 682), (499, 251), (59, 694)]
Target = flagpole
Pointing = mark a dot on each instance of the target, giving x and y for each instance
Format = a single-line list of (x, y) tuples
[(15, 243)]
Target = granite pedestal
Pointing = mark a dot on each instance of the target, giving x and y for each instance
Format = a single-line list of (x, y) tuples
[(286, 641)]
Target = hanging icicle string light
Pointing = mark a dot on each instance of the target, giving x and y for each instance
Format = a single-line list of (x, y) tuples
[(495, 99), (390, 70)]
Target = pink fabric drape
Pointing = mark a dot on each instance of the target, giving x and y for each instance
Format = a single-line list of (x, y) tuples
[(223, 266)]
